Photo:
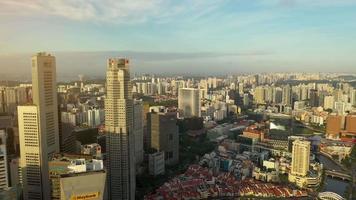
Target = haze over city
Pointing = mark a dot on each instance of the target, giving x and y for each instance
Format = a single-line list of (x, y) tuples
[(201, 36)]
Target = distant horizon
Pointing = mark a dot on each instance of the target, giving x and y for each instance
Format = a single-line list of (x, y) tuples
[(197, 37), (93, 64)]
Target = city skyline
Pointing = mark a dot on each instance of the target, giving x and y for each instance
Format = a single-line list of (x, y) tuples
[(177, 99), (173, 37)]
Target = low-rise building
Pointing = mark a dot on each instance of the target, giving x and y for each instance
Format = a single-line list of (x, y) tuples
[(76, 177), (156, 163)]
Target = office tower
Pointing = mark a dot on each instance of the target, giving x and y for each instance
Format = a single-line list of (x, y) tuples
[(329, 102), (120, 147), (313, 98), (259, 95), (93, 117), (38, 128), (76, 177), (4, 178), (138, 130), (164, 135), (300, 158), (189, 102), (67, 134), (286, 95), (334, 125)]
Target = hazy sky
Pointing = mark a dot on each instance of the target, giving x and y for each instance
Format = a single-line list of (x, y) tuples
[(202, 36)]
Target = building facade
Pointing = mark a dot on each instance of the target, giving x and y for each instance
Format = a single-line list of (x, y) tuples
[(38, 128), (120, 147), (163, 131), (189, 102)]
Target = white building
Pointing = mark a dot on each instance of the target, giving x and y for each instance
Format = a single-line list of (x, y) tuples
[(38, 128)]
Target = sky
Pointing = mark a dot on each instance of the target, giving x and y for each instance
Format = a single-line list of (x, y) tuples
[(181, 36)]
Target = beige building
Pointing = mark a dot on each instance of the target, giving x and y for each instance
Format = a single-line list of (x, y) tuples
[(38, 128), (300, 157), (304, 174), (77, 177), (120, 147), (189, 102), (259, 95)]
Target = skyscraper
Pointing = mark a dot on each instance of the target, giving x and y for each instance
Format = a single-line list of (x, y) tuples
[(259, 95), (119, 131), (287, 95), (38, 128), (138, 130), (163, 130), (189, 102), (314, 98), (300, 158)]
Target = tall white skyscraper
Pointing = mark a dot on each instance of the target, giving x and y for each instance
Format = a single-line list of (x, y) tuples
[(189, 102), (300, 158), (38, 128), (120, 145)]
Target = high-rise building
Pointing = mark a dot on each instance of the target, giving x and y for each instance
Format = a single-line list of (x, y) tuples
[(189, 102), (329, 102), (120, 147), (4, 172), (353, 97), (10, 100), (38, 128), (259, 95), (287, 95), (334, 125), (277, 95), (351, 123), (138, 130), (314, 98), (300, 157), (164, 135)]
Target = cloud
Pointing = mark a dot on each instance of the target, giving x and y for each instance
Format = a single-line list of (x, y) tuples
[(311, 3), (116, 11)]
